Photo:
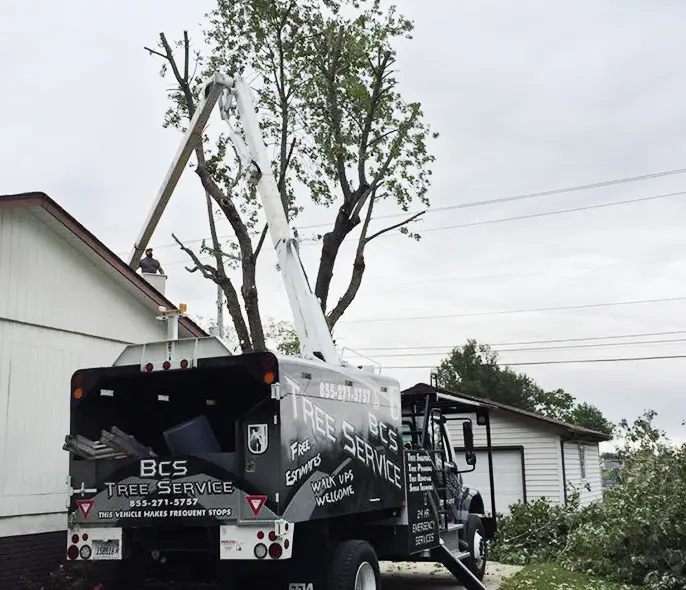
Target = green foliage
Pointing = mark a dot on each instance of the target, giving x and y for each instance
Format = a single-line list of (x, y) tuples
[(554, 577), (473, 369), (285, 337), (537, 532), (336, 125), (636, 535)]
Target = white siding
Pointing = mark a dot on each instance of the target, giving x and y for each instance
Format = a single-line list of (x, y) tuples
[(542, 452), (593, 476), (58, 312), (46, 282)]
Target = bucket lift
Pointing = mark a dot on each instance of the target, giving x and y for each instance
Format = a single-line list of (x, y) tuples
[(313, 331)]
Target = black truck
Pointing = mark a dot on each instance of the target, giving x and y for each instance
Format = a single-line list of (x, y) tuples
[(189, 465)]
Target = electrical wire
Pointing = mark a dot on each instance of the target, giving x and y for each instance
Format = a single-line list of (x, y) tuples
[(515, 311), (537, 349), (580, 269), (546, 213), (530, 342), (565, 362), (314, 242), (477, 203), (521, 197)]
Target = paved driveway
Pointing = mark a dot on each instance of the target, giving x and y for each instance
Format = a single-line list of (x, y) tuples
[(427, 576)]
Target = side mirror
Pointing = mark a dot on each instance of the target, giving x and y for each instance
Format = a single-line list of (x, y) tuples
[(468, 436)]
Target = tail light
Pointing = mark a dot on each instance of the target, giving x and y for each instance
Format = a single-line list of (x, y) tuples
[(268, 363), (73, 552), (275, 551), (77, 386)]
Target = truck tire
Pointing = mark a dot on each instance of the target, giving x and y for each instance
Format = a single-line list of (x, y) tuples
[(476, 545), (354, 566)]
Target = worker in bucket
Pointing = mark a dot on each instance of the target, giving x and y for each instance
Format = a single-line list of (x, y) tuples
[(149, 265)]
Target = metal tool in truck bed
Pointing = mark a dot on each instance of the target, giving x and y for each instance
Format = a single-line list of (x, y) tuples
[(190, 464)]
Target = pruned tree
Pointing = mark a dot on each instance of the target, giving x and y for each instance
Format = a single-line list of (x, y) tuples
[(328, 101), (473, 369)]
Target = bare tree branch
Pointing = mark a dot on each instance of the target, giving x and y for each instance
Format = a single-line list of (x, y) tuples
[(249, 288), (154, 52), (260, 242), (186, 56), (395, 226), (330, 72), (220, 278), (377, 91), (254, 338), (207, 271), (359, 267)]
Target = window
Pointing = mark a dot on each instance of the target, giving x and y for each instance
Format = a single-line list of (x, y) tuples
[(582, 460), (435, 435)]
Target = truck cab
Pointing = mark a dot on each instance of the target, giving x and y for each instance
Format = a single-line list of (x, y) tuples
[(464, 526)]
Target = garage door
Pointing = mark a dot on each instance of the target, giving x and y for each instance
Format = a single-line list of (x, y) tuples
[(507, 475)]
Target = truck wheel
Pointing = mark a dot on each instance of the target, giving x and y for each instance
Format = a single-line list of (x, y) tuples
[(354, 566), (476, 544)]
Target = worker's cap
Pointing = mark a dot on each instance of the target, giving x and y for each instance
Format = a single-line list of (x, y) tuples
[(148, 250)]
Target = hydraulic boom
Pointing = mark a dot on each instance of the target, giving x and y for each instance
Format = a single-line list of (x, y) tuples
[(310, 321)]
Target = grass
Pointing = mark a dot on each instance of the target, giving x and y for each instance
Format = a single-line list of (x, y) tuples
[(554, 577)]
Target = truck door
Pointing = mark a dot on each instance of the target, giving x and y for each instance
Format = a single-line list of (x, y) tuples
[(447, 478), (447, 473)]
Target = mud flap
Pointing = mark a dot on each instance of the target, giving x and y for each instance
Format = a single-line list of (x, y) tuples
[(458, 569)]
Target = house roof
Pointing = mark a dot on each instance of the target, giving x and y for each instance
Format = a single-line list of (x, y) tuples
[(41, 201), (571, 430)]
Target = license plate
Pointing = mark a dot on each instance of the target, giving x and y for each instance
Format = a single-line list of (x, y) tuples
[(106, 549)]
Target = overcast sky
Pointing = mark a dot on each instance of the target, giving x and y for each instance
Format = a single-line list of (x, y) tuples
[(528, 96)]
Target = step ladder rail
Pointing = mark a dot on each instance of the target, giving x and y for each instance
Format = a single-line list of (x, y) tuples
[(439, 476), (457, 568)]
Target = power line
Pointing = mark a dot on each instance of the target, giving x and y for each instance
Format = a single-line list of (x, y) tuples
[(567, 362), (549, 213), (517, 311), (314, 242), (538, 348), (529, 342), (521, 197), (484, 203), (467, 278)]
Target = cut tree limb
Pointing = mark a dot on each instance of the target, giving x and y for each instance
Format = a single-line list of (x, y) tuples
[(394, 226)]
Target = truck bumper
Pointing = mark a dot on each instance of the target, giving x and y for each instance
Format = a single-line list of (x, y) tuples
[(94, 543), (269, 540)]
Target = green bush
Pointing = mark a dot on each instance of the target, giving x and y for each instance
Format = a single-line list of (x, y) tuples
[(537, 532), (637, 535)]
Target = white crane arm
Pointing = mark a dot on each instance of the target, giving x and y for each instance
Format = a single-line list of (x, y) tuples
[(310, 321)]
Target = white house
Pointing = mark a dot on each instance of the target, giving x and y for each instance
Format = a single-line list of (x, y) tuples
[(66, 302), (533, 456)]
